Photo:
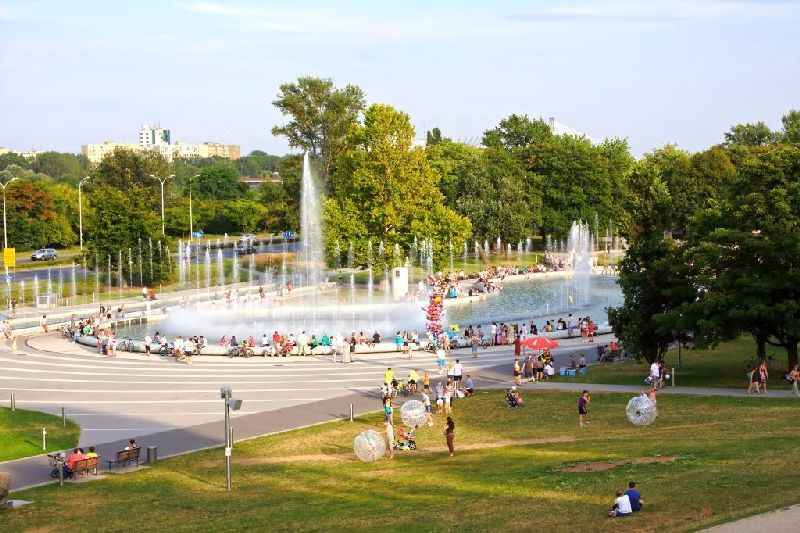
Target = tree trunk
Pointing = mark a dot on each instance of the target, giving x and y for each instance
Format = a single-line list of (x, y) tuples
[(761, 345), (791, 351)]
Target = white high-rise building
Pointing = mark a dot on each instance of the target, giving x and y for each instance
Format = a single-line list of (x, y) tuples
[(153, 136)]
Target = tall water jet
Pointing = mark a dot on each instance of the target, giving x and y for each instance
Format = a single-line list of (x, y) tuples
[(310, 227), (579, 247)]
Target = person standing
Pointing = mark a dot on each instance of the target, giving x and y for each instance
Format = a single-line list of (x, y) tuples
[(148, 340), (517, 372), (390, 437), (583, 408), (43, 323), (763, 375), (450, 435), (655, 373), (388, 376), (458, 372), (517, 346)]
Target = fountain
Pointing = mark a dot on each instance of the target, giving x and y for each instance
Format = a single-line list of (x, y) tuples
[(579, 246), (310, 228)]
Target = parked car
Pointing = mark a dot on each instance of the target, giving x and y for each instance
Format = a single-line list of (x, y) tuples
[(44, 254)]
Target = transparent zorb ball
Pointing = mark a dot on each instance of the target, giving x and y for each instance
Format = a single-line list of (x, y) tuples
[(641, 411), (369, 446), (413, 413)]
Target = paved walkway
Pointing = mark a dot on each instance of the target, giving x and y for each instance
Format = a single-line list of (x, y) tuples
[(177, 407), (781, 521)]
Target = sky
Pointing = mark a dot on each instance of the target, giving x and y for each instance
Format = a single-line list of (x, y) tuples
[(654, 72)]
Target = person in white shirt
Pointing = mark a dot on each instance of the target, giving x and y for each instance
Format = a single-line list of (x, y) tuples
[(655, 372), (302, 343), (264, 340), (621, 507), (458, 371), (148, 340)]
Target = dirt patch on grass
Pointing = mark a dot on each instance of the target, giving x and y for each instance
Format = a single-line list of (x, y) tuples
[(599, 466), (338, 457)]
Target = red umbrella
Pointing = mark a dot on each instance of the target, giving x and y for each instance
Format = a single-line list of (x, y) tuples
[(539, 343)]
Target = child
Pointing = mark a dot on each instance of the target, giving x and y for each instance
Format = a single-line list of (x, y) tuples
[(583, 408)]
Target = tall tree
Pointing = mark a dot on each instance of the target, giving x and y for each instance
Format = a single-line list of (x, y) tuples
[(745, 250), (219, 181), (321, 116), (385, 189), (791, 127), (750, 134)]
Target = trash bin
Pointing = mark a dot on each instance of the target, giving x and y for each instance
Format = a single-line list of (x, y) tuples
[(152, 454)]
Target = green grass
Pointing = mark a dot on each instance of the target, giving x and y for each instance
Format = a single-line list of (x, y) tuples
[(723, 366), (732, 457), (21, 433)]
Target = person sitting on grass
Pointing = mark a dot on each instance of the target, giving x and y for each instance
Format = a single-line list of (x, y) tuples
[(469, 386), (621, 507), (634, 497)]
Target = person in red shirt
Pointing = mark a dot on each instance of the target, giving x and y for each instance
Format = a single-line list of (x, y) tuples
[(74, 457)]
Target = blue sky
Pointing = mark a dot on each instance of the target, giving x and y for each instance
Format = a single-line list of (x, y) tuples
[(655, 72)]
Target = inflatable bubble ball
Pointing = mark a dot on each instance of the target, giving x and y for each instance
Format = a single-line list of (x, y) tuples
[(413, 413), (369, 446), (641, 411)]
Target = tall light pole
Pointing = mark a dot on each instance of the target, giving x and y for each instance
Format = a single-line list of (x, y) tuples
[(80, 208), (5, 234), (162, 180)]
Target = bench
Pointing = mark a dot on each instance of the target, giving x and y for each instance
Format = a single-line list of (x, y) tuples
[(125, 457), (84, 466)]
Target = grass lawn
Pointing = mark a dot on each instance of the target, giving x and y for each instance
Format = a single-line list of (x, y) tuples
[(705, 460), (21, 433), (723, 366)]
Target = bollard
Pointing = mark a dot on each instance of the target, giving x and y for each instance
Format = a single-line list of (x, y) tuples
[(60, 466), (152, 454), (673, 377), (13, 403), (63, 417), (44, 438), (351, 412)]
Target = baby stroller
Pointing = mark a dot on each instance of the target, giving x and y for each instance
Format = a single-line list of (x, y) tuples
[(58, 462), (406, 441)]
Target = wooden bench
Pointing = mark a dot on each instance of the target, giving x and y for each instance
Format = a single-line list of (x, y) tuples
[(84, 466), (125, 457)]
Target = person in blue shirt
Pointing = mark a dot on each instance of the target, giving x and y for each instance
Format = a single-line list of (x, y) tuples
[(634, 496)]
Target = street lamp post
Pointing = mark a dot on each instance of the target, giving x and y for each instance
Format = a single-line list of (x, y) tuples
[(5, 234), (162, 180), (5, 241), (230, 403), (80, 209)]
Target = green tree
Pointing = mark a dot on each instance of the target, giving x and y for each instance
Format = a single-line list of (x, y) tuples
[(653, 277), (384, 189), (791, 127), (434, 137), (131, 171), (61, 166), (120, 222), (745, 253), (752, 134), (517, 132), (496, 200), (321, 117), (219, 181), (258, 163), (6, 160)]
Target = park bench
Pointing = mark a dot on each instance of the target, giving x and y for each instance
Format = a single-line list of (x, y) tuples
[(125, 457), (84, 466)]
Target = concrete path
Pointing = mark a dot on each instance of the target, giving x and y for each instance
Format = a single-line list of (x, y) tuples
[(782, 521), (177, 407)]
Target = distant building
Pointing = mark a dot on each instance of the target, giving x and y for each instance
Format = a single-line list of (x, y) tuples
[(153, 136), (158, 139), (254, 182), (96, 152), (4, 151)]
